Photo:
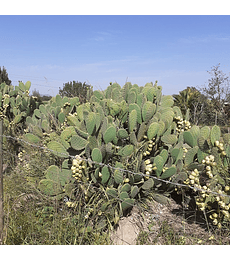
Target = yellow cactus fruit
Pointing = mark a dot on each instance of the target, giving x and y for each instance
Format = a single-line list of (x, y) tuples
[(227, 188)]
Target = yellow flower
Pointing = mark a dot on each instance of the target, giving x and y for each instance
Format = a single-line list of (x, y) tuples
[(211, 237)]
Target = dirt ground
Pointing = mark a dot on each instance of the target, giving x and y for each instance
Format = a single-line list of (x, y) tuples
[(180, 225)]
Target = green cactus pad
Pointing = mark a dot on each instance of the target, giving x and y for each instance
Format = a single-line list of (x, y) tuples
[(201, 155), (43, 109), (53, 173), (177, 112), (195, 131), (126, 151), (126, 187), (151, 94), (67, 133), (168, 173), (37, 131), (78, 143), (134, 191), (122, 133), (37, 113), (161, 128), (188, 138), (169, 139), (132, 97), (61, 117), (45, 126), (93, 143), (148, 184), (133, 138), (141, 132), (148, 111), (152, 130), (58, 149), (159, 162), (138, 109), (132, 120), (81, 133), (90, 122), (105, 174), (118, 174), (32, 138), (167, 101), (50, 187), (205, 132), (215, 134), (226, 138), (164, 154), (98, 94), (160, 198), (96, 155), (127, 203), (140, 98), (27, 85), (177, 154), (123, 195), (189, 157), (112, 192), (109, 149), (17, 119), (109, 134)]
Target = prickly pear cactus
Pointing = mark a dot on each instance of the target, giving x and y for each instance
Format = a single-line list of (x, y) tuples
[(15, 105), (130, 142)]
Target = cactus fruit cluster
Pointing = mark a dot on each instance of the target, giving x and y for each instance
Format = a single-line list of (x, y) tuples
[(128, 142)]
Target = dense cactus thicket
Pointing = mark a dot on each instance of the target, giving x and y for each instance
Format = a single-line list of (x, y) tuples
[(123, 145)]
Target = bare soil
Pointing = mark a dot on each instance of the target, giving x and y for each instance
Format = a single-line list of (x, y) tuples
[(165, 224)]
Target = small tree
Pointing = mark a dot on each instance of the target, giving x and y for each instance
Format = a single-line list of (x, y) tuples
[(76, 89), (4, 76), (217, 92)]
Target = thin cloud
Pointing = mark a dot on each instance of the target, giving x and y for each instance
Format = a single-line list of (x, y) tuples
[(203, 39)]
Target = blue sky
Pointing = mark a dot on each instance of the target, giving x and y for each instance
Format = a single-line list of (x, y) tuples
[(98, 49)]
